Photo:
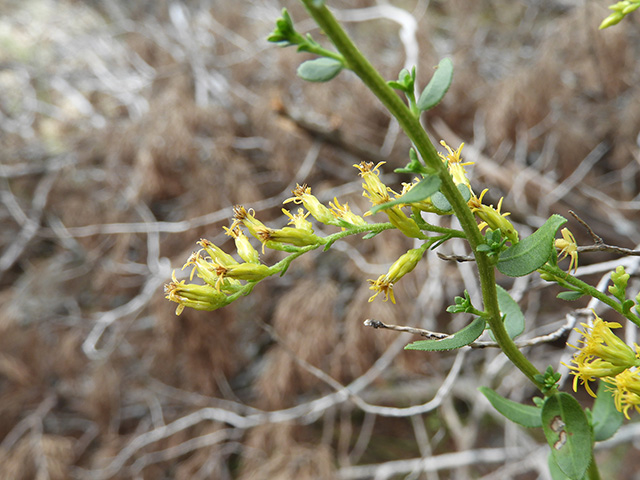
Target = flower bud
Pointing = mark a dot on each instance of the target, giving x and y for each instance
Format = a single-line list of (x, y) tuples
[(406, 225), (344, 213), (198, 297), (302, 195), (243, 245), (291, 236), (405, 264), (247, 218), (218, 255)]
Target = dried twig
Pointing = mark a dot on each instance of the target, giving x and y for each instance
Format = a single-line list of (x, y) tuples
[(398, 328), (599, 245), (456, 258), (551, 337), (445, 461)]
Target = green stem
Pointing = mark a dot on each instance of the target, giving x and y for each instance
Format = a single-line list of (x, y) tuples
[(592, 472), (589, 290), (327, 241), (356, 62)]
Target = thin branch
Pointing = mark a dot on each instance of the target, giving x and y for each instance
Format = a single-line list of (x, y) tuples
[(32, 224), (456, 258), (28, 423), (599, 245), (446, 461), (551, 337), (398, 328)]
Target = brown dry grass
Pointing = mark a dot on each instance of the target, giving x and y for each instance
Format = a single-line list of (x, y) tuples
[(128, 131)]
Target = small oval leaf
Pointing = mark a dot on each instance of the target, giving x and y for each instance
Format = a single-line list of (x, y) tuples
[(532, 252), (423, 189), (441, 202), (606, 417), (570, 295), (525, 415), (319, 70), (464, 337), (514, 319), (437, 86), (568, 434)]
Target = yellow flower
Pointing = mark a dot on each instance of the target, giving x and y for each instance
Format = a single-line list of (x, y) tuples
[(455, 164), (626, 390), (425, 205), (591, 368), (568, 246), (243, 245), (492, 217), (376, 191), (405, 264), (299, 220), (302, 195), (384, 286), (603, 354), (248, 219), (198, 297), (216, 253), (204, 269), (343, 212)]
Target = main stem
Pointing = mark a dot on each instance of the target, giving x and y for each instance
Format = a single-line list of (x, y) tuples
[(411, 126)]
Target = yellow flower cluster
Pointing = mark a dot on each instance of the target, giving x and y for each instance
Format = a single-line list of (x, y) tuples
[(603, 355), (226, 278)]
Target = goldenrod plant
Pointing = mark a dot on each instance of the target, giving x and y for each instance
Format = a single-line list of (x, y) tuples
[(441, 186)]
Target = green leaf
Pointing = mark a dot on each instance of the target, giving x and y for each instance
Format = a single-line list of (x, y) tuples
[(514, 319), (437, 86), (570, 296), (405, 82), (464, 337), (554, 469), (532, 252), (462, 304), (525, 415), (423, 189), (319, 70), (568, 434), (441, 202), (415, 166), (605, 416)]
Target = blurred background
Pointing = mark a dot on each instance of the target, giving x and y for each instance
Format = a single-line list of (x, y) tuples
[(129, 129)]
